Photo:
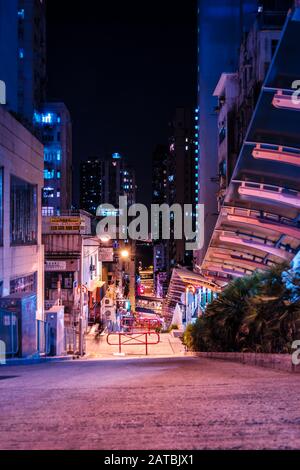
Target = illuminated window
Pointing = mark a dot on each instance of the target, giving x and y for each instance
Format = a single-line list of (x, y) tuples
[(48, 192), (47, 118), (116, 156), (48, 174), (47, 211)]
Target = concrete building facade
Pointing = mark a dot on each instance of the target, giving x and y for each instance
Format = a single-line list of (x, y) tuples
[(21, 250), (227, 93), (238, 92), (220, 29), (72, 259)]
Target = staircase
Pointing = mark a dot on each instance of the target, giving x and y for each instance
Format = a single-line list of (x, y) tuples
[(96, 346)]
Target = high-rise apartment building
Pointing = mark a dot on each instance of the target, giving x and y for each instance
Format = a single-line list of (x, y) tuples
[(31, 57), (258, 223), (102, 181), (162, 188), (238, 92), (23, 56), (23, 71), (224, 22), (55, 127), (183, 185), (9, 51), (175, 182)]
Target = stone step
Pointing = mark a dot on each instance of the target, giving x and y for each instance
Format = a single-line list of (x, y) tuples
[(168, 346)]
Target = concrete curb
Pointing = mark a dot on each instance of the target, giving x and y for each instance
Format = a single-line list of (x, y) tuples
[(35, 360), (282, 362)]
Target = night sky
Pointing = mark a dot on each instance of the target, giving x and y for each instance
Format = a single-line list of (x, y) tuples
[(121, 68)]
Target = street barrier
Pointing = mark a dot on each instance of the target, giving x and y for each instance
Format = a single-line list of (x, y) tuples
[(133, 339), (147, 324)]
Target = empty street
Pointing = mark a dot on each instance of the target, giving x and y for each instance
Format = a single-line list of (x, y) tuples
[(162, 403)]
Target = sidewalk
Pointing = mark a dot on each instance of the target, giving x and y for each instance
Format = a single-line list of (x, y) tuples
[(168, 346)]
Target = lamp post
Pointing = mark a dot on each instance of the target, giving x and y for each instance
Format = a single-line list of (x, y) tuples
[(124, 256)]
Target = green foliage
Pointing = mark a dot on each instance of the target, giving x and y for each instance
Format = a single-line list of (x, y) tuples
[(257, 313), (172, 327)]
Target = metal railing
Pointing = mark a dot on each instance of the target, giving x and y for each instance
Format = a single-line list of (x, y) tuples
[(130, 324), (133, 339)]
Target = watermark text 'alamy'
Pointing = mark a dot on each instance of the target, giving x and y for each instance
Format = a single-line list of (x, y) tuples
[(166, 222)]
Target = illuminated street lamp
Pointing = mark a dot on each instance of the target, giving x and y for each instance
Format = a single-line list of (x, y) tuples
[(105, 238), (124, 254)]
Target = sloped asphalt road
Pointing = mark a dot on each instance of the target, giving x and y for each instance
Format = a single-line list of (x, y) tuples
[(162, 403)]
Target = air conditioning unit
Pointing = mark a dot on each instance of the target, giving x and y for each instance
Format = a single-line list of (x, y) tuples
[(108, 302), (109, 313)]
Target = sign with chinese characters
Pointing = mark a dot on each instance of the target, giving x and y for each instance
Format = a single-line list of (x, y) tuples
[(106, 254), (66, 224), (55, 265)]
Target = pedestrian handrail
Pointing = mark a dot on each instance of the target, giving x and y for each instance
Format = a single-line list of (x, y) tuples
[(132, 323), (149, 323), (133, 339)]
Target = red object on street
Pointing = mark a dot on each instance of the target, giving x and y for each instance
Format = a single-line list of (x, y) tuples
[(133, 339), (137, 323)]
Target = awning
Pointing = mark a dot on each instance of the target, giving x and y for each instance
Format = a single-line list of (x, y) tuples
[(95, 284), (97, 290), (181, 280)]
